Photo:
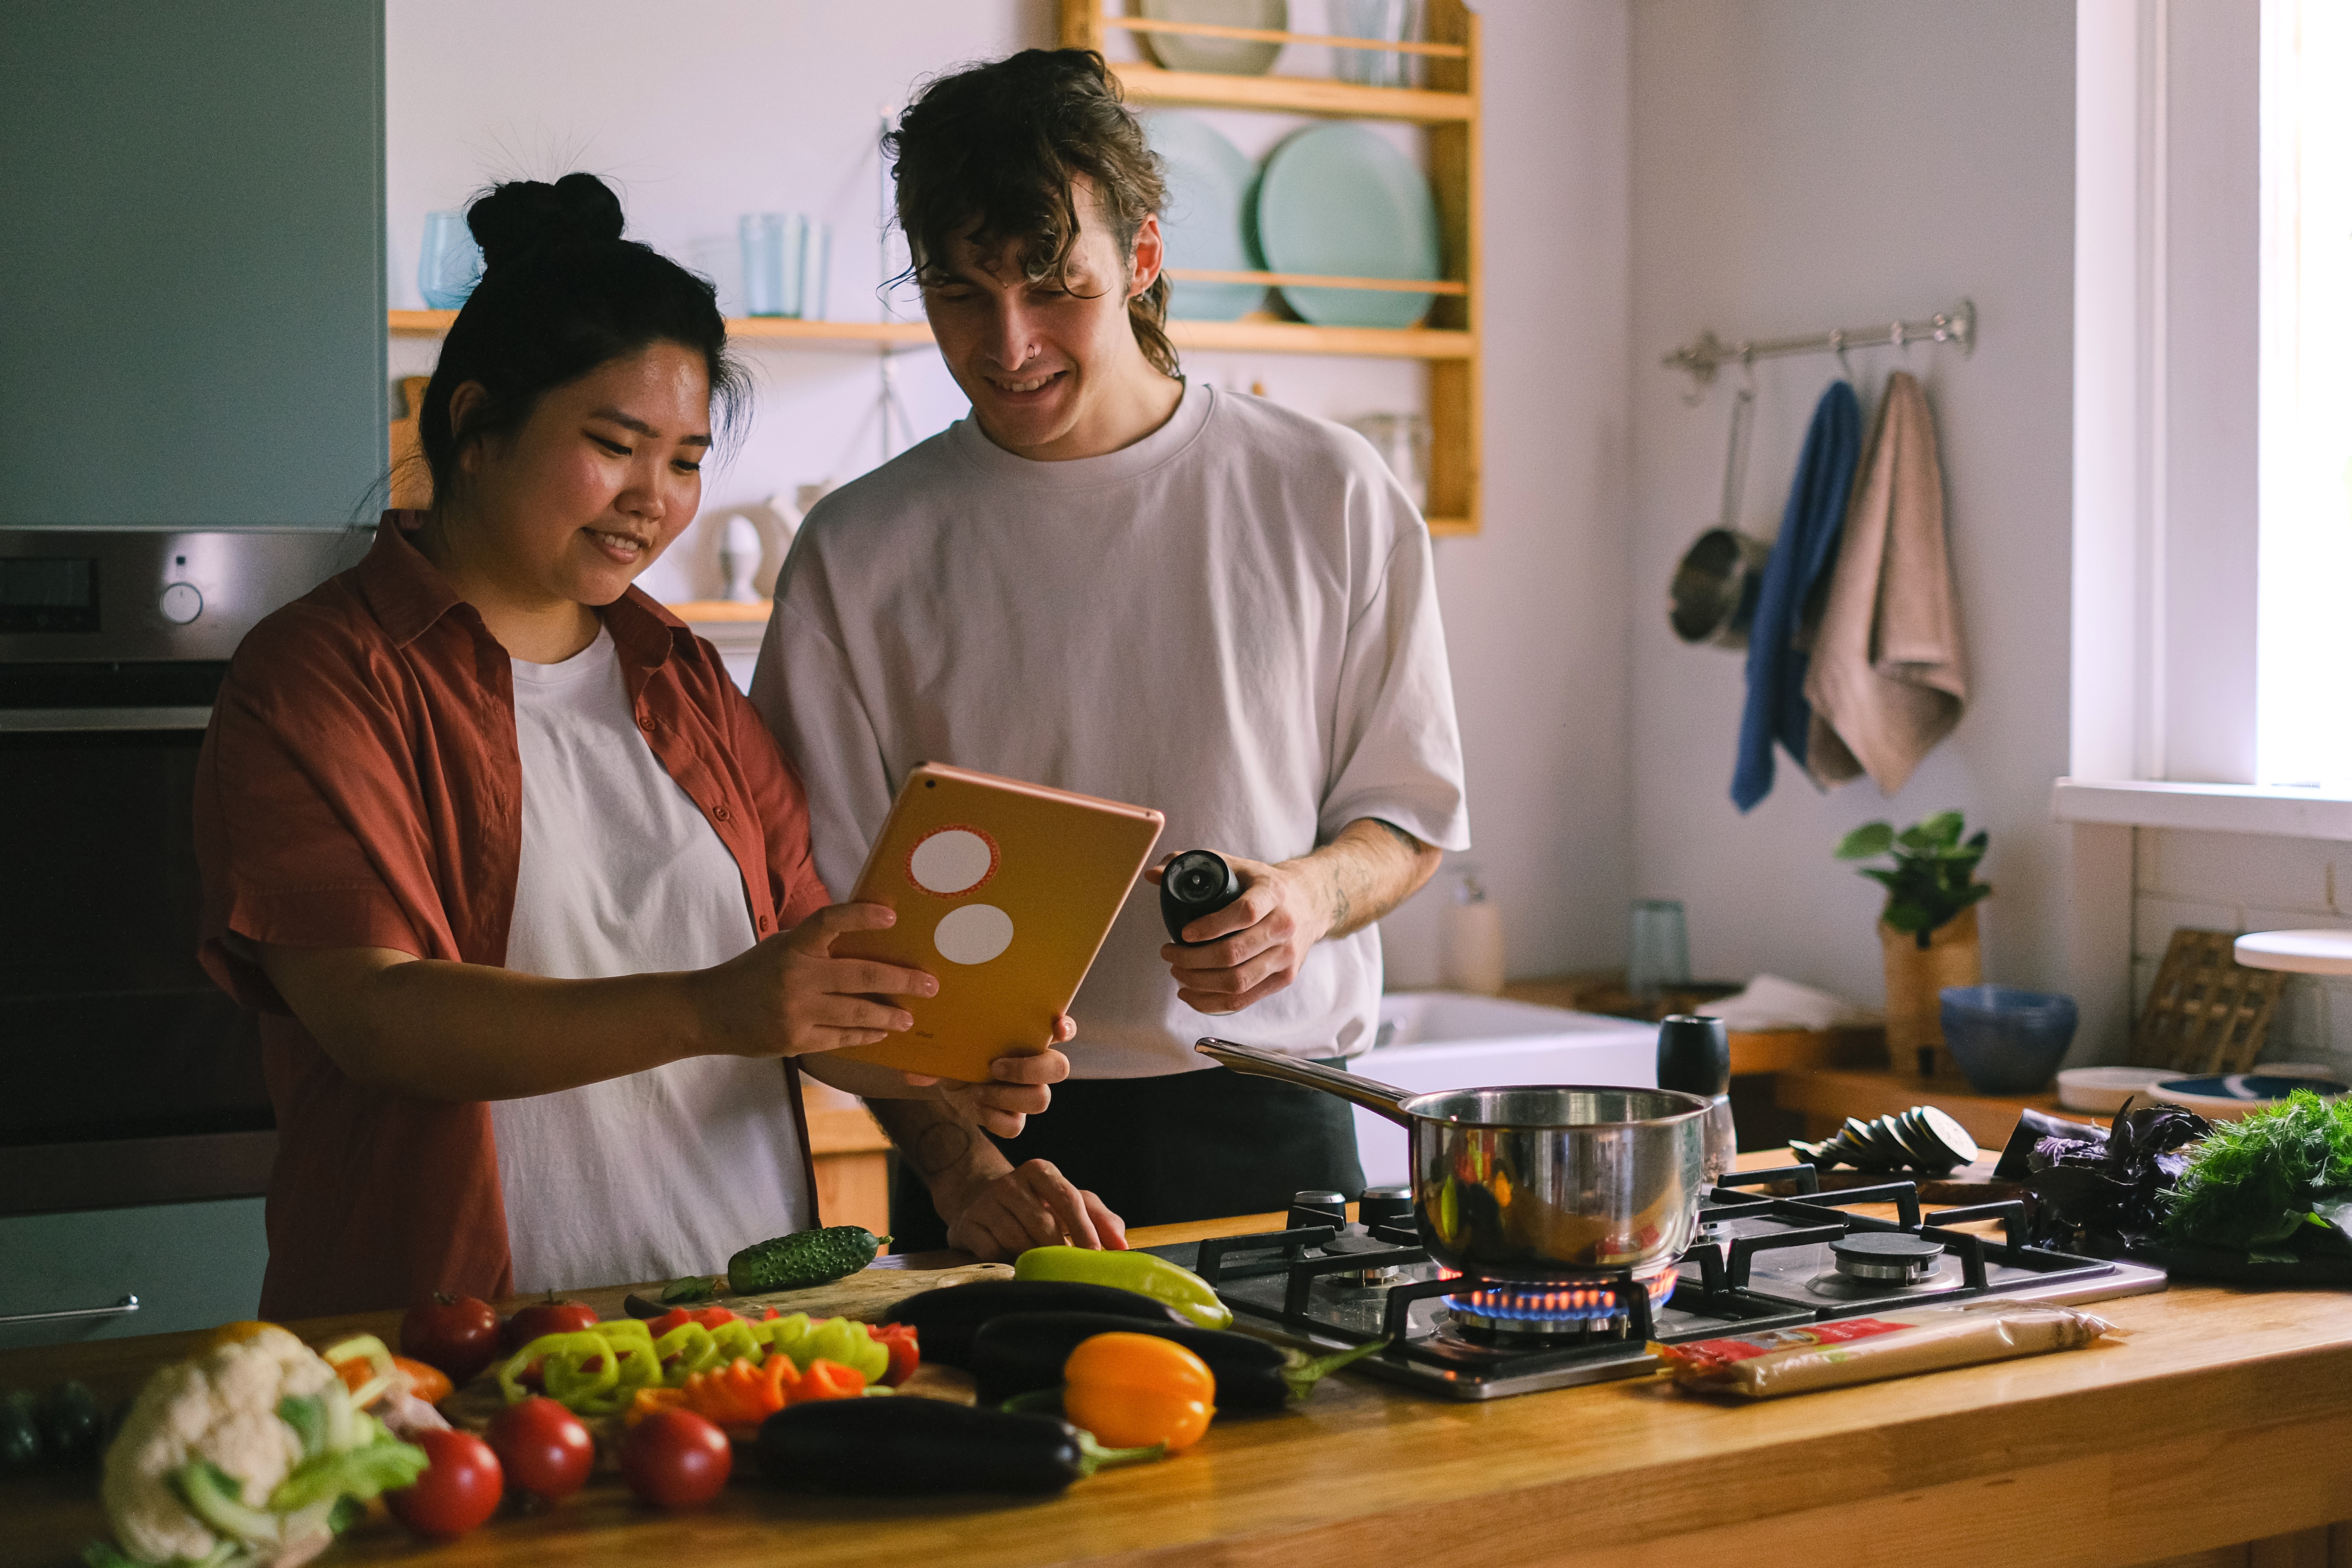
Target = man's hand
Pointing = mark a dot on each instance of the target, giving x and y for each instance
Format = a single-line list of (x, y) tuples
[(1018, 1091), (1256, 945), (1034, 1205), (787, 996)]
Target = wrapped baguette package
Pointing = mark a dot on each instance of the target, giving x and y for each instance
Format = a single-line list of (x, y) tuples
[(1812, 1356)]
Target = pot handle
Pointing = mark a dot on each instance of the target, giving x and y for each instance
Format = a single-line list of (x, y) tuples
[(1379, 1099)]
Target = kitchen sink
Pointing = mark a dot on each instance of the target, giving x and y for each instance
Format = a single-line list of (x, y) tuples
[(1448, 1039)]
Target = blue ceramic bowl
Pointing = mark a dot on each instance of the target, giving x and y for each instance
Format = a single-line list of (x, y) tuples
[(2005, 1041)]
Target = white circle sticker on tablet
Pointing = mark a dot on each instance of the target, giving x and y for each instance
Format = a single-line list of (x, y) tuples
[(973, 934), (951, 860)]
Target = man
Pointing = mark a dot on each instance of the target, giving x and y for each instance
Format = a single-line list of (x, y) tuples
[(1109, 581)]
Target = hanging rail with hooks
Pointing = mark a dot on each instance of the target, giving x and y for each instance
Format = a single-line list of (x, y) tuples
[(1705, 355)]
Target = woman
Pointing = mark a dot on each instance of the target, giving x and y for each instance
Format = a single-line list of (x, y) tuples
[(518, 880)]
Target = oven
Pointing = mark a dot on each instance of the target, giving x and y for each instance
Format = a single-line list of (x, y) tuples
[(126, 1075)]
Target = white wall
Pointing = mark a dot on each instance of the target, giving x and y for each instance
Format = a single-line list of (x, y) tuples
[(718, 107), (1800, 164)]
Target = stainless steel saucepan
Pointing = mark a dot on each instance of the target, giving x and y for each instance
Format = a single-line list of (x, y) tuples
[(1533, 1181)]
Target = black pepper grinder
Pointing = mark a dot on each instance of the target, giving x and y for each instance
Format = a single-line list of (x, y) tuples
[(1695, 1056), (1197, 882)]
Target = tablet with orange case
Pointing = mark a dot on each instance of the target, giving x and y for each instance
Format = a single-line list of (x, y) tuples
[(1004, 891)]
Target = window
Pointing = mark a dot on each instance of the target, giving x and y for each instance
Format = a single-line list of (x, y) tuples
[(2303, 678)]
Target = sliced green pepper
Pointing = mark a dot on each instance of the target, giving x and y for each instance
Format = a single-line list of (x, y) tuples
[(1140, 1272), (592, 1371), (841, 1339)]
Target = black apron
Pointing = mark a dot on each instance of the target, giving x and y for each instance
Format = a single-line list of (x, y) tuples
[(1189, 1145)]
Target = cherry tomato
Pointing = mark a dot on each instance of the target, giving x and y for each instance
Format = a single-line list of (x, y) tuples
[(544, 1448), (548, 1317), (460, 1488), (674, 1459), (459, 1334)]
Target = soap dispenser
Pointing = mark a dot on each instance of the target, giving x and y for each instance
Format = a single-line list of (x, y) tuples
[(1471, 949)]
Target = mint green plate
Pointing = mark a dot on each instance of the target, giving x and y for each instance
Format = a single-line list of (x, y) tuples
[(1339, 201), (1226, 56), (1205, 222)]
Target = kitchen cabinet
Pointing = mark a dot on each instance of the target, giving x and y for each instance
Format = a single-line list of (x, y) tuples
[(2220, 1427), (192, 270), (191, 1266)]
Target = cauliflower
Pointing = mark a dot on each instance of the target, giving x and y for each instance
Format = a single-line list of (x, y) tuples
[(241, 1455)]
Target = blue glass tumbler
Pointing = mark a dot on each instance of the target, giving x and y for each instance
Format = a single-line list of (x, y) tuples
[(449, 263)]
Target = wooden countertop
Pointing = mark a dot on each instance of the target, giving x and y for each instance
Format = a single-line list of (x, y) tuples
[(2224, 1417)]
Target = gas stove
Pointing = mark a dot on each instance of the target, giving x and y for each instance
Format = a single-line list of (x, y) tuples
[(1757, 1262)]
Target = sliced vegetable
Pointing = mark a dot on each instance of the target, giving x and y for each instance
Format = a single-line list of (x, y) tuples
[(842, 1340), (426, 1382), (1144, 1273), (740, 1394), (920, 1447), (945, 1319), (1026, 1350), (592, 1372), (829, 1380), (804, 1259), (363, 1472), (904, 1348), (1134, 1390), (693, 1288), (364, 1365)]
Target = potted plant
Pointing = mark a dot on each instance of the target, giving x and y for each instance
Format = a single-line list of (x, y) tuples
[(1927, 931)]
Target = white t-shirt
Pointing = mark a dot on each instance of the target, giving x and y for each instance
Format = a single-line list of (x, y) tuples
[(663, 1172), (1231, 620)]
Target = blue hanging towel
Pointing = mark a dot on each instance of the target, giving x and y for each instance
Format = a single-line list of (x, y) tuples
[(1808, 543)]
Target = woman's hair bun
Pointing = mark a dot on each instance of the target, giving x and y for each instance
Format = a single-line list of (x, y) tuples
[(523, 215)]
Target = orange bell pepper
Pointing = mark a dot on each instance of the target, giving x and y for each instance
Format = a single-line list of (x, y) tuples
[(827, 1380), (429, 1383), (743, 1394), (1132, 1391)]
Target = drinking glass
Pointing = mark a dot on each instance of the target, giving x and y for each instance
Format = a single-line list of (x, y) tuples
[(449, 263), (1390, 21), (1660, 950), (772, 262)]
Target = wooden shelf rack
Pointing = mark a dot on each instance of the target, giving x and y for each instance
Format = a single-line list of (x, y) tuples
[(1447, 111), (1447, 344)]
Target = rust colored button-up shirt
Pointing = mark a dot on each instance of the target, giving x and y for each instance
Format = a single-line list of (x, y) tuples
[(360, 786)]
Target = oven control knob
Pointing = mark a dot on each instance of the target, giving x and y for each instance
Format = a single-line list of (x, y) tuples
[(181, 604), (1385, 1205)]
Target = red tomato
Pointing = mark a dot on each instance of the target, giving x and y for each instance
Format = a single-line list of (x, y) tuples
[(544, 1447), (674, 1459), (459, 1334), (460, 1488), (548, 1317)]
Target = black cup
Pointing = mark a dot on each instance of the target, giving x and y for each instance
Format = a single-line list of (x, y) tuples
[(1693, 1055)]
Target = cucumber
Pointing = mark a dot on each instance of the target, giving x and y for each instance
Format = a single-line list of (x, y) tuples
[(804, 1258)]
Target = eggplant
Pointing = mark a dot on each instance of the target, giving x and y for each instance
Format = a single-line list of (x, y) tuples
[(71, 1426), (906, 1446), (945, 1319), (1024, 1352)]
